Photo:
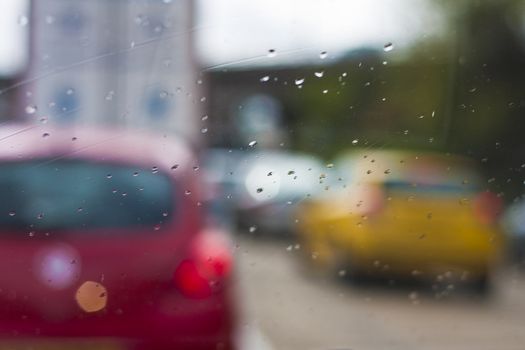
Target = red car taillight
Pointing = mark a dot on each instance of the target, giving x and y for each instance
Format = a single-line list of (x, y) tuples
[(204, 272), (370, 200), (487, 207)]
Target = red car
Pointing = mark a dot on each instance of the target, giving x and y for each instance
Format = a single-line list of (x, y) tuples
[(102, 244)]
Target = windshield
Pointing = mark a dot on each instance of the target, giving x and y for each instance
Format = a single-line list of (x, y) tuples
[(262, 174)]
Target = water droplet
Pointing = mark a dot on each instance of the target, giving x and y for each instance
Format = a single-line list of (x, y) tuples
[(70, 91), (46, 134), (265, 78), (187, 192), (271, 53), (174, 167), (291, 172), (252, 229), (156, 227), (325, 91), (341, 273), (136, 173), (319, 74), (154, 170), (73, 139), (204, 118), (330, 165), (23, 20), (259, 190), (132, 44), (387, 171), (355, 142), (43, 120), (195, 168), (204, 130), (163, 94), (109, 176), (299, 81), (12, 213), (289, 248), (252, 143), (388, 47), (30, 109), (323, 55)]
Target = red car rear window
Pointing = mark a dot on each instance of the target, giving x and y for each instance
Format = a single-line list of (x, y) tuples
[(82, 195)]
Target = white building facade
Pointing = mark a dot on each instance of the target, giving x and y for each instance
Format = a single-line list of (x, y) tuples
[(114, 62)]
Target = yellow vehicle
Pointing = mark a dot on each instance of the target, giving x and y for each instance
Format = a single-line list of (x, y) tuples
[(403, 214)]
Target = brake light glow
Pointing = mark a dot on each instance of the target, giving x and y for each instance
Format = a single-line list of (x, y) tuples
[(488, 206), (209, 264)]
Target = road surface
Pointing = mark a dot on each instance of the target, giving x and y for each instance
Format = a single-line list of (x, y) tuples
[(292, 311)]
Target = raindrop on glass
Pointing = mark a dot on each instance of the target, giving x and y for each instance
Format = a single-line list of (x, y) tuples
[(388, 47), (252, 143), (23, 20), (30, 109)]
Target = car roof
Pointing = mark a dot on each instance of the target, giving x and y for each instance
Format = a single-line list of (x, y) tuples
[(145, 149), (373, 165)]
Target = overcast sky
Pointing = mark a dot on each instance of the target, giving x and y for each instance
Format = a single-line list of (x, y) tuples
[(231, 30)]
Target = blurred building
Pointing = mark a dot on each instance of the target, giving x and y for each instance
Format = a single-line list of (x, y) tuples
[(126, 63)]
